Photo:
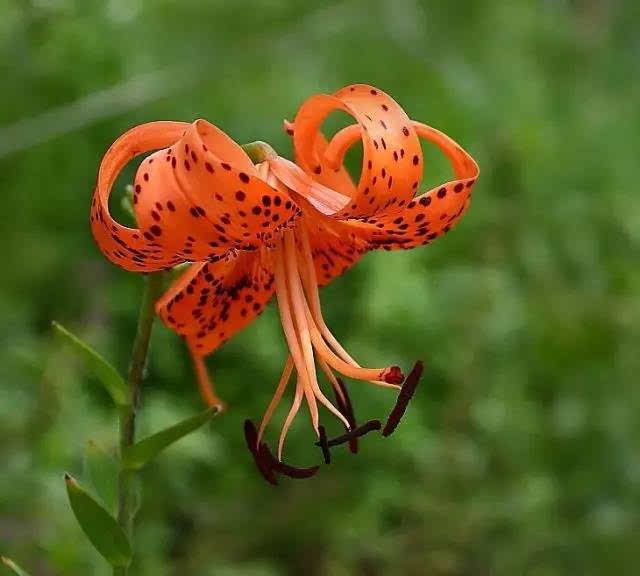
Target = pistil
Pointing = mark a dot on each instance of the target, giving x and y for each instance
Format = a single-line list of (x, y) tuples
[(304, 327)]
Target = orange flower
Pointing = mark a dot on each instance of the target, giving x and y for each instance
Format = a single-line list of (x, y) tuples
[(284, 228)]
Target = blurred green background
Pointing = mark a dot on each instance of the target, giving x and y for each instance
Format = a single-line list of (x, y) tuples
[(520, 453)]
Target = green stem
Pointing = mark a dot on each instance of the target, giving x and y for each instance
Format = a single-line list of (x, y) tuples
[(126, 488)]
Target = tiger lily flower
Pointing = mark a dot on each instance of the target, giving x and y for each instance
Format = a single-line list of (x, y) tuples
[(252, 231)]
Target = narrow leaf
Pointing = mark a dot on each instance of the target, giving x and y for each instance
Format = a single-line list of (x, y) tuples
[(101, 528), (13, 566), (135, 485), (101, 469), (139, 454), (108, 376)]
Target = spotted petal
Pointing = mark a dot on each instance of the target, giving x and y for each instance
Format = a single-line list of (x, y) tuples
[(212, 301), (427, 216), (337, 244), (392, 157), (195, 199), (130, 248)]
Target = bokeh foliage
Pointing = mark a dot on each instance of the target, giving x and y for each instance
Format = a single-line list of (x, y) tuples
[(520, 453)]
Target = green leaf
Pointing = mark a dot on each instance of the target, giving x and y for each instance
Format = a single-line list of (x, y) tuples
[(108, 376), (135, 485), (101, 469), (101, 528), (136, 456), (13, 566)]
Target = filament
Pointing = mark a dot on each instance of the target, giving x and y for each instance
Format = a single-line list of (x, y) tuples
[(275, 401)]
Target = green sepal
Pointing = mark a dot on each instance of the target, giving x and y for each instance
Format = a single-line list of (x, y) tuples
[(101, 528), (139, 454), (108, 376)]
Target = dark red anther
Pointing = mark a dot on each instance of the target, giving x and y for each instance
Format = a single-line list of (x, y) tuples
[(355, 433), (251, 436), (346, 409), (406, 393), (286, 469), (260, 456), (323, 443)]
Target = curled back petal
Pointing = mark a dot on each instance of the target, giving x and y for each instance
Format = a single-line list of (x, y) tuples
[(425, 217), (195, 199), (214, 189), (130, 248), (392, 157)]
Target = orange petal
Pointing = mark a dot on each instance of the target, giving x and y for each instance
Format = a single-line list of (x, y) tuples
[(219, 200), (392, 157), (427, 216), (324, 199), (194, 200), (334, 246), (338, 244), (128, 247), (210, 302)]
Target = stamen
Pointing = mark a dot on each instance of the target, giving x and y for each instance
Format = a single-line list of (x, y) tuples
[(355, 433), (291, 335), (296, 288), (259, 456), (408, 388), (282, 385), (297, 299), (347, 409), (323, 443), (343, 401), (295, 406), (286, 469), (333, 380), (251, 436), (391, 374), (311, 287)]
